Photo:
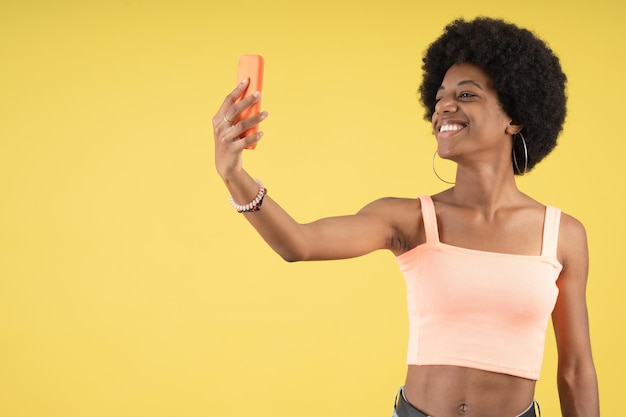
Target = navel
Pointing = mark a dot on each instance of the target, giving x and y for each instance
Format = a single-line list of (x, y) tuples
[(463, 409)]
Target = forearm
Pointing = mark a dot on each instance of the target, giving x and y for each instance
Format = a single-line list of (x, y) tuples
[(282, 233), (578, 392)]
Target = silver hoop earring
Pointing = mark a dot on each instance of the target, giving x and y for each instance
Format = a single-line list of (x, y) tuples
[(435, 170), (520, 172)]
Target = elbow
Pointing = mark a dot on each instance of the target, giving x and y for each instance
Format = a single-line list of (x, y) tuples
[(290, 259), (582, 374), (578, 391), (292, 253), (294, 247)]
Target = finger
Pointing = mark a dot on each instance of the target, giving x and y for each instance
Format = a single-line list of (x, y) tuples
[(242, 143), (228, 121), (234, 133), (253, 139), (233, 113), (229, 101), (232, 97), (244, 125)]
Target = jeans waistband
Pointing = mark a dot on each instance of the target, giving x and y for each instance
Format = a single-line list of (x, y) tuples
[(402, 408)]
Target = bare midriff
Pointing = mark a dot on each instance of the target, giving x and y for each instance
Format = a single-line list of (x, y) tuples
[(452, 391)]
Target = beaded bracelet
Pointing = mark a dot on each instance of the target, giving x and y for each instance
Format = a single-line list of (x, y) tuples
[(254, 205)]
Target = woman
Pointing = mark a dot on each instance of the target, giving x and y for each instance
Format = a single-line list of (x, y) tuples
[(485, 264)]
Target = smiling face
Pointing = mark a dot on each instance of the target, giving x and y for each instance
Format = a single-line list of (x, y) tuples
[(468, 117)]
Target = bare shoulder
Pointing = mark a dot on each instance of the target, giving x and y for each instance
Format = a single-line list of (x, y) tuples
[(386, 204), (403, 216), (572, 241), (394, 211), (571, 226)]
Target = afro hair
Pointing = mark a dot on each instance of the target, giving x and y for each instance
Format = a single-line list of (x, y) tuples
[(526, 75)]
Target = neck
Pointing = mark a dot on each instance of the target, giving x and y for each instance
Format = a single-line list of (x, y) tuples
[(487, 189)]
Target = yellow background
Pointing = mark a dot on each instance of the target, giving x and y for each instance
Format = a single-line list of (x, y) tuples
[(129, 286)]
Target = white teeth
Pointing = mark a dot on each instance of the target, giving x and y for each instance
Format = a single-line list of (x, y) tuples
[(451, 127)]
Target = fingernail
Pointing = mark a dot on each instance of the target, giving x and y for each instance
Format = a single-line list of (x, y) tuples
[(263, 115), (256, 94)]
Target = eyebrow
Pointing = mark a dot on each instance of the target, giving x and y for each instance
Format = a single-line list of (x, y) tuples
[(463, 83)]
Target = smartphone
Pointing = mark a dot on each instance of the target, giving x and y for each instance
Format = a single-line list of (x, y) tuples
[(251, 67)]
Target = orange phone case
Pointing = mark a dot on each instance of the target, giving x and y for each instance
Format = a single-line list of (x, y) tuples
[(250, 66)]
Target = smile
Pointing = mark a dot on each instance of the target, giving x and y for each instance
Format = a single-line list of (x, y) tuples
[(451, 127)]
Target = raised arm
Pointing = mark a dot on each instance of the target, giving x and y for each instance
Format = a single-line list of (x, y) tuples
[(577, 381), (330, 238)]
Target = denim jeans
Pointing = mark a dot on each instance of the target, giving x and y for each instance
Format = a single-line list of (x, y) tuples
[(402, 408)]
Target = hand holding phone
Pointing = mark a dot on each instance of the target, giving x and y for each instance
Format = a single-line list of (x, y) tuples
[(250, 67)]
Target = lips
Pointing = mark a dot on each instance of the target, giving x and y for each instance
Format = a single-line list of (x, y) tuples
[(449, 128)]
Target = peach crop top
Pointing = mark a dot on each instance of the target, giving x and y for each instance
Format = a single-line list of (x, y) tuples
[(478, 309)]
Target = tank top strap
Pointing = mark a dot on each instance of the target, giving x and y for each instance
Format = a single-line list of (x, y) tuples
[(551, 232), (430, 219)]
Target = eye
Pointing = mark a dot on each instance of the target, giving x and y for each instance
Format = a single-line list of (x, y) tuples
[(466, 94)]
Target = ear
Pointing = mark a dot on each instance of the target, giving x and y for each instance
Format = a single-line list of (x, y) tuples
[(513, 129)]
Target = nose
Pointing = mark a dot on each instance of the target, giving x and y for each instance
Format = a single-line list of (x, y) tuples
[(446, 104)]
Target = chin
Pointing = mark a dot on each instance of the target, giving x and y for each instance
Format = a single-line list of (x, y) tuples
[(446, 153)]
